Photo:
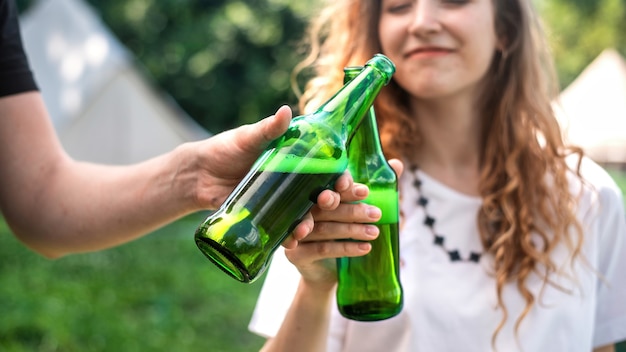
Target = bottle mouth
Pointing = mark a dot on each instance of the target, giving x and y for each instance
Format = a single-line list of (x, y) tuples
[(224, 260), (383, 64)]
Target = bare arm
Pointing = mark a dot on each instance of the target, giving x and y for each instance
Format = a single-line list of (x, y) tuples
[(306, 323), (57, 205)]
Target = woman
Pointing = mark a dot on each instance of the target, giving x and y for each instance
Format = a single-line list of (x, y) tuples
[(510, 241)]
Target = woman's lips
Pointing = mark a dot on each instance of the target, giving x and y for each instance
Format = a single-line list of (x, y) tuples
[(429, 52)]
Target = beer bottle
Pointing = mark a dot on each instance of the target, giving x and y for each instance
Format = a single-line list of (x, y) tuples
[(369, 286), (241, 236)]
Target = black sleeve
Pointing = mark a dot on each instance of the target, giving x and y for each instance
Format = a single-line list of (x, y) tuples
[(15, 74)]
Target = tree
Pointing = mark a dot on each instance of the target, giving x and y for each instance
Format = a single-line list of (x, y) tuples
[(225, 62), (580, 29)]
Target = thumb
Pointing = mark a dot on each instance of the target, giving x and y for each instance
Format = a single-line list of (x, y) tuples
[(273, 126), (253, 138)]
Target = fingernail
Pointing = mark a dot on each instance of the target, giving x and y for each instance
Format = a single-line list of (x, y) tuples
[(329, 201), (361, 191), (371, 231), (308, 230), (364, 246), (373, 213)]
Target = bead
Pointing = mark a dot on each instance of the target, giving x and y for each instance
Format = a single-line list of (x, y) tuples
[(429, 221), (454, 255)]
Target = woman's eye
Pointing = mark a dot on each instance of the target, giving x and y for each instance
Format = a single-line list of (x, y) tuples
[(399, 7)]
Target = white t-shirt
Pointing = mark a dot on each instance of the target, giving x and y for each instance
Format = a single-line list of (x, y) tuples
[(453, 306)]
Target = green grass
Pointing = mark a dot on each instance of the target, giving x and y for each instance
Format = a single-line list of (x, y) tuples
[(158, 293)]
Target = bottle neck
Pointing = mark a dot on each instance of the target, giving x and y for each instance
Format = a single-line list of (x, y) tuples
[(368, 129), (350, 104)]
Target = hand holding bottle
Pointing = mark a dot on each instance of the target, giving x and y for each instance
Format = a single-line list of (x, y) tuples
[(327, 201), (315, 255), (218, 174)]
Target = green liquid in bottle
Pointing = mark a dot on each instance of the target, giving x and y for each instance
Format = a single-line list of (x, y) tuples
[(369, 286)]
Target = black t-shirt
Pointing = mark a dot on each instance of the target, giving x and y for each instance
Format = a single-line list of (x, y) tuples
[(15, 74)]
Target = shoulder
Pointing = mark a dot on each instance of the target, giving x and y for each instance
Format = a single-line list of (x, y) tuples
[(595, 182), (600, 209)]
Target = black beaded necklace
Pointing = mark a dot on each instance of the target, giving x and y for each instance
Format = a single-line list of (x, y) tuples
[(429, 221)]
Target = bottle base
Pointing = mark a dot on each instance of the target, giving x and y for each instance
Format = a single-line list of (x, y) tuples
[(370, 311), (224, 260)]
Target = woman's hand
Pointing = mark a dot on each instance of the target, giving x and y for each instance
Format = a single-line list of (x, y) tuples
[(314, 255), (327, 200)]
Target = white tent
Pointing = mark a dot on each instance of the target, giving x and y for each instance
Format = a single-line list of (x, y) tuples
[(592, 109), (103, 107)]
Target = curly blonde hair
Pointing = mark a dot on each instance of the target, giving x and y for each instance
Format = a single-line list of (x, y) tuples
[(522, 141)]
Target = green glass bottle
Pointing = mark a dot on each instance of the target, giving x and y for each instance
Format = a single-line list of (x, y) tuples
[(242, 235), (369, 286)]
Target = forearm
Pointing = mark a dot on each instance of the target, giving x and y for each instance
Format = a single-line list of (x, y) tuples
[(57, 205), (306, 324), (80, 207)]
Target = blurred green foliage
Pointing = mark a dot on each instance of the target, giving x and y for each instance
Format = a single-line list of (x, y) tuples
[(226, 62), (579, 30), (158, 294)]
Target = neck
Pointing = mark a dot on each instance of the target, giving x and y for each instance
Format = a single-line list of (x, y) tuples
[(450, 132)]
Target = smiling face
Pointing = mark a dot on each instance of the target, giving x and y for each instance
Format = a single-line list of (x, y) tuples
[(440, 47)]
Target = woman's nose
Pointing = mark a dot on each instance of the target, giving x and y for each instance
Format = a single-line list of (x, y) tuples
[(425, 20)]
